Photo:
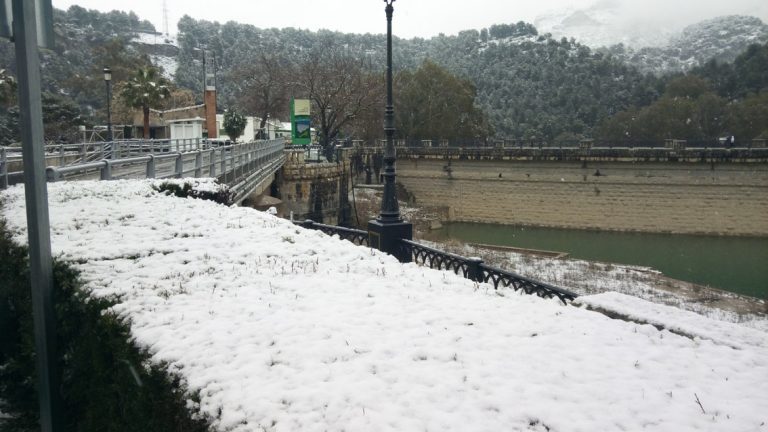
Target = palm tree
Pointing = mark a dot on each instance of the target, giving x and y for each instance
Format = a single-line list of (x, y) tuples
[(147, 88), (7, 88)]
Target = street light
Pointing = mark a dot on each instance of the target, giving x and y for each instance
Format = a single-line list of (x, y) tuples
[(108, 81), (390, 210), (387, 231)]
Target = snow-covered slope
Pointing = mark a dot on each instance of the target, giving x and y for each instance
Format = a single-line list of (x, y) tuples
[(280, 328), (604, 24), (722, 39), (162, 50), (655, 43)]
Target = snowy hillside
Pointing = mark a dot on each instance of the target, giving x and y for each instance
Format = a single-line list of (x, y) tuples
[(280, 328), (650, 45), (162, 50), (602, 25), (722, 39)]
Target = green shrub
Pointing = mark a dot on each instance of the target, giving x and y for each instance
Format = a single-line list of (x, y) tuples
[(107, 384), (187, 190)]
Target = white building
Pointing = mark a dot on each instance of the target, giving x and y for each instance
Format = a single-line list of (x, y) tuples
[(272, 128), (186, 128)]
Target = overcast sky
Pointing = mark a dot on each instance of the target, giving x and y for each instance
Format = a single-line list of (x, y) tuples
[(423, 18)]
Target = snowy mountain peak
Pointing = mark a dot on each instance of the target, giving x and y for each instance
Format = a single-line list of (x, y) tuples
[(603, 24)]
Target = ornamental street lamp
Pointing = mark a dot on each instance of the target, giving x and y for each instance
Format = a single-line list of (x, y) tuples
[(108, 81), (387, 231), (390, 211)]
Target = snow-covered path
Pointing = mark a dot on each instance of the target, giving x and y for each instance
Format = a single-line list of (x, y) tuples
[(285, 329)]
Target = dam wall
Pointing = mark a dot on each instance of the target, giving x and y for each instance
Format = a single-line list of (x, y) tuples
[(682, 197)]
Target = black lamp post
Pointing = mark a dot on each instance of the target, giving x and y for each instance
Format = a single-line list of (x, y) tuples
[(390, 211), (108, 81), (389, 228)]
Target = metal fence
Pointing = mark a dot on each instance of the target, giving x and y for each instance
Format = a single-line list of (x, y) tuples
[(229, 163), (358, 237), (471, 268), (474, 269), (60, 155)]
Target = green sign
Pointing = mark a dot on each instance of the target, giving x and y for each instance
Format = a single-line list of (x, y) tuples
[(301, 132)]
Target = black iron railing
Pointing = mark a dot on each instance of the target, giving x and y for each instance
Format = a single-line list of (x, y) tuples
[(474, 269), (471, 268), (358, 237)]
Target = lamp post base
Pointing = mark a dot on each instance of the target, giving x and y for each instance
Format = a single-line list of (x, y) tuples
[(386, 238)]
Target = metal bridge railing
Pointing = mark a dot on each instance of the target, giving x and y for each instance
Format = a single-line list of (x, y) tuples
[(230, 163), (72, 154)]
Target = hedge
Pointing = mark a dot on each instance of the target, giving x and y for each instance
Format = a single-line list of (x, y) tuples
[(107, 383)]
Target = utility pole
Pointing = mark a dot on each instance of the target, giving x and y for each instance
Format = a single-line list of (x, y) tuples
[(33, 26)]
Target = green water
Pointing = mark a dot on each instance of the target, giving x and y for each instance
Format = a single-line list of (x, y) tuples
[(734, 264)]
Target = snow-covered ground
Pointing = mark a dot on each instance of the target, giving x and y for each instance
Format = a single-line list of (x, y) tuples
[(155, 39), (589, 277), (169, 65), (279, 328), (580, 276)]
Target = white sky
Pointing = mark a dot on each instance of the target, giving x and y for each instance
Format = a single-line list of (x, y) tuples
[(423, 18)]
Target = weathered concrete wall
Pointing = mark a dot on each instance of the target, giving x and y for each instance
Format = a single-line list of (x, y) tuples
[(314, 191), (695, 198)]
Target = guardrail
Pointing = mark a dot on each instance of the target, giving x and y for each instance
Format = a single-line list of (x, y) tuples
[(474, 269), (658, 153), (358, 237), (70, 154), (471, 268), (230, 163)]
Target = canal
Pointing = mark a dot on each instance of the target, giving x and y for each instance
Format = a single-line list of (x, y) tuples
[(735, 264)]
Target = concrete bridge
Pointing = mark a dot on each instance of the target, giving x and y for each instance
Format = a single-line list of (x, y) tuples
[(247, 168)]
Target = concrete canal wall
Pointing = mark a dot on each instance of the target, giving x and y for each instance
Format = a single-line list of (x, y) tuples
[(681, 197)]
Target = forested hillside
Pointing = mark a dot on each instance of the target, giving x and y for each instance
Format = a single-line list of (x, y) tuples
[(529, 85), (73, 83), (721, 39), (520, 84), (715, 100)]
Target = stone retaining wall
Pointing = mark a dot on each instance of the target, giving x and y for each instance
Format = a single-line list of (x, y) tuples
[(314, 191), (696, 198)]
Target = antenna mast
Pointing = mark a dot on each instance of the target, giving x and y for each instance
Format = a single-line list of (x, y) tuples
[(165, 18)]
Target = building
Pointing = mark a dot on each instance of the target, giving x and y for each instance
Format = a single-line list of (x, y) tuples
[(272, 129)]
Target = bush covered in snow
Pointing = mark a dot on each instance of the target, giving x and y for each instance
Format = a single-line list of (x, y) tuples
[(107, 383)]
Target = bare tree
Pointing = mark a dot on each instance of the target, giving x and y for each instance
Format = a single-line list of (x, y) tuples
[(341, 90), (263, 87)]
